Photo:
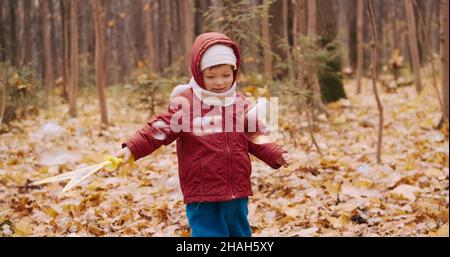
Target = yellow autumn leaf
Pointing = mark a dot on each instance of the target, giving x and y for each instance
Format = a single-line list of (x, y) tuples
[(403, 191), (23, 228), (51, 212), (363, 183)]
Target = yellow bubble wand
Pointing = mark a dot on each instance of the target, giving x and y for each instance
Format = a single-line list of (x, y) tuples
[(111, 163)]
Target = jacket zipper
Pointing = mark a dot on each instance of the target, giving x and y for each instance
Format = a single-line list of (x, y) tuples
[(229, 152)]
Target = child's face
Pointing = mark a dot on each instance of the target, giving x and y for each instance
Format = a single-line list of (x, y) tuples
[(218, 79)]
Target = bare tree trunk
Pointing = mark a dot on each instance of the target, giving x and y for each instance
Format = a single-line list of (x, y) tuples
[(148, 9), (299, 29), (2, 31), (48, 78), (330, 81), (11, 40), (201, 6), (100, 57), (73, 58), (2, 101), (131, 50), (253, 60), (344, 33), (374, 61), (54, 44), (312, 78), (267, 48), (188, 11), (413, 48), (312, 17), (444, 56), (24, 48), (285, 16), (165, 39), (217, 10), (395, 23), (429, 52), (64, 8), (359, 44)]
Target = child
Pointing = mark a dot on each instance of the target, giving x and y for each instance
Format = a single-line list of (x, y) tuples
[(213, 162)]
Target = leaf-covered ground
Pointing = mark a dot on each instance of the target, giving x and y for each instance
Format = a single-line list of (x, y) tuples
[(342, 193)]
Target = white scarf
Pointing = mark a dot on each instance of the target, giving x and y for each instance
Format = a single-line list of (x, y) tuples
[(206, 96)]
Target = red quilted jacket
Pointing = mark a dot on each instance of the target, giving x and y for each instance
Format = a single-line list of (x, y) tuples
[(212, 167)]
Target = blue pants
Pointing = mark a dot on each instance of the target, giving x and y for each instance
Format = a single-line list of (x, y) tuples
[(219, 219)]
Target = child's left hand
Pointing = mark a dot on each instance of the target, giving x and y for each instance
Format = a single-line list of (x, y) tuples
[(285, 160)]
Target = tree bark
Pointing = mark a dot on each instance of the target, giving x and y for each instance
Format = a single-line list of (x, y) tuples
[(24, 49), (11, 49), (413, 48), (374, 61), (312, 78), (53, 40), (2, 101), (217, 10), (344, 34), (48, 78), (188, 10), (444, 56), (64, 8), (148, 9), (312, 17), (100, 57), (2, 31), (267, 46), (285, 17), (73, 58), (298, 30), (359, 44), (331, 85), (429, 53)]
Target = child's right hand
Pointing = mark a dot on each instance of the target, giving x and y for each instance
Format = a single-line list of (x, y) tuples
[(124, 153)]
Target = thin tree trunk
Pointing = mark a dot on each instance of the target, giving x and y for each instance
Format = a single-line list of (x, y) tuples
[(48, 78), (2, 31), (73, 58), (217, 10), (359, 44), (413, 48), (148, 9), (24, 49), (253, 62), (374, 61), (395, 24), (267, 48), (285, 16), (313, 81), (312, 17), (64, 8), (11, 46), (188, 35), (429, 52), (2, 101), (299, 29), (444, 56), (100, 57), (53, 40), (344, 34)]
